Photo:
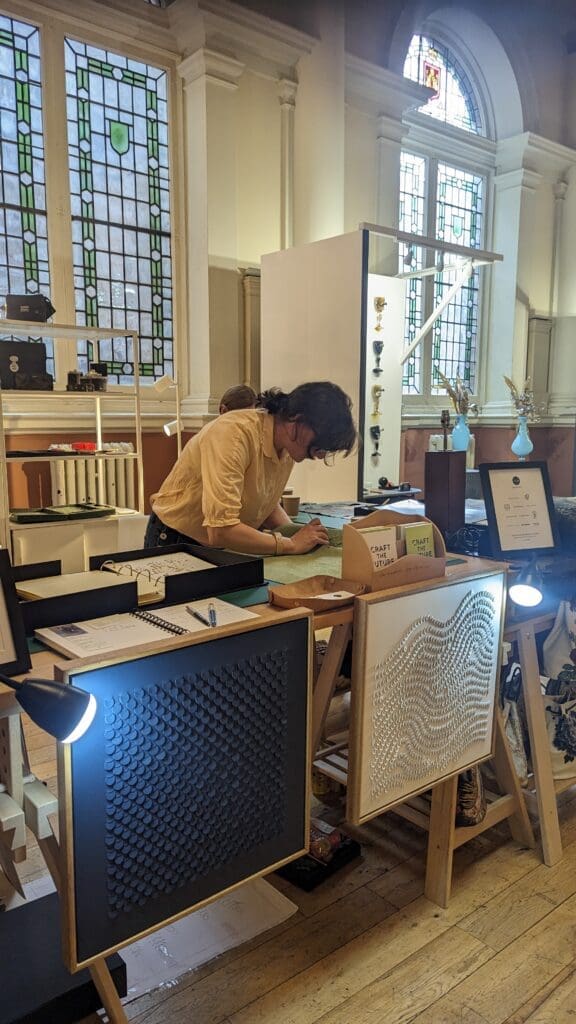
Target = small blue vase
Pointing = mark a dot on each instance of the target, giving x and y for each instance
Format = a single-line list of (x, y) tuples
[(522, 445), (460, 433)]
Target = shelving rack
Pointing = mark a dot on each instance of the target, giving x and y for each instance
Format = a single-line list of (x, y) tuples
[(26, 329)]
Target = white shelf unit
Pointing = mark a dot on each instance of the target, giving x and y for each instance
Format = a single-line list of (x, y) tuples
[(93, 404)]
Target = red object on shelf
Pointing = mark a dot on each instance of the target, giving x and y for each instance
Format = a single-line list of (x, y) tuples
[(84, 446)]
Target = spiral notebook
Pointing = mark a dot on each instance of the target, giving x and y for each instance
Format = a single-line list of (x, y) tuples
[(129, 629)]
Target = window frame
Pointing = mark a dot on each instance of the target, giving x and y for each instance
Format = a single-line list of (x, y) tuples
[(54, 26), (438, 143)]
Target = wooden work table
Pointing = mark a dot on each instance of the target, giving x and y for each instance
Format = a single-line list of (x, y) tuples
[(340, 621)]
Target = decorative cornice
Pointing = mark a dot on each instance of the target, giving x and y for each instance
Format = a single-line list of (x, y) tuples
[(376, 90), (215, 67), (267, 47), (520, 178), (535, 153)]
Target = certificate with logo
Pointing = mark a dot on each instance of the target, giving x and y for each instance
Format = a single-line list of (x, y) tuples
[(519, 507)]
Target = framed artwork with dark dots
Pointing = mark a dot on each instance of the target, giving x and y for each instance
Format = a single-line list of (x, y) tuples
[(193, 778), (425, 671)]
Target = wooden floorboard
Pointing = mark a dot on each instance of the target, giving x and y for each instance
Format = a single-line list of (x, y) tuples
[(366, 947)]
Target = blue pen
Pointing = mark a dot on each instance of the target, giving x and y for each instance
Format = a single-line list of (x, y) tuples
[(212, 614)]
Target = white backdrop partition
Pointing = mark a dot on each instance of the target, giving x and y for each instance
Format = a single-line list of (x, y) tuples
[(319, 323)]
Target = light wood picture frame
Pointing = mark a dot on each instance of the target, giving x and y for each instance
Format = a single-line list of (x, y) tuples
[(425, 669), (193, 778)]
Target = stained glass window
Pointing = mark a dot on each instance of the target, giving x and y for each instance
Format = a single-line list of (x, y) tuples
[(23, 224), (445, 202), (460, 199), (430, 63), (119, 181), (413, 220)]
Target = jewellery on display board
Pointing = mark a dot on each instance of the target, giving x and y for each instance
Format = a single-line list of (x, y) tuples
[(379, 304), (375, 435), (376, 396), (377, 346)]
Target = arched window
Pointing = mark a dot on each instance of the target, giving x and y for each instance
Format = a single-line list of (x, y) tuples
[(442, 197)]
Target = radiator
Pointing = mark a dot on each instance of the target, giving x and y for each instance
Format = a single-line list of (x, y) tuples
[(98, 481)]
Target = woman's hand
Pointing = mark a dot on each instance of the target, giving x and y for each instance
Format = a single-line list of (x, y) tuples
[(310, 536)]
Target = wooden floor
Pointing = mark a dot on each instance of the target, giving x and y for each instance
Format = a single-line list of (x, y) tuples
[(367, 948)]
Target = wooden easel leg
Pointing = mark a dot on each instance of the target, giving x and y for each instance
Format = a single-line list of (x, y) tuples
[(519, 822), (440, 852), (99, 969), (107, 991), (543, 778), (326, 681)]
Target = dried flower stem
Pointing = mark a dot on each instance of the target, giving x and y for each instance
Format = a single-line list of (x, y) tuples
[(459, 394), (523, 401)]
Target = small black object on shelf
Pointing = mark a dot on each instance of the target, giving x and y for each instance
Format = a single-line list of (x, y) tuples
[(29, 307), (307, 873)]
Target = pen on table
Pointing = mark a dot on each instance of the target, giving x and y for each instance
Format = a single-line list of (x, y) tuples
[(198, 615), (212, 614)]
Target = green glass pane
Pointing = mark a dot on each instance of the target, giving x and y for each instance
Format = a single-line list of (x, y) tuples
[(121, 204), (119, 137)]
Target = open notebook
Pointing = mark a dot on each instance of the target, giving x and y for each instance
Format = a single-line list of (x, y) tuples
[(129, 629), (150, 573), (78, 582)]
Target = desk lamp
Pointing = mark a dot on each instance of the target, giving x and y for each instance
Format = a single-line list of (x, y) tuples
[(64, 711), (161, 385), (526, 590)]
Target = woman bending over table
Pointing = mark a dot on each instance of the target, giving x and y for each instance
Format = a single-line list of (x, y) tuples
[(225, 488)]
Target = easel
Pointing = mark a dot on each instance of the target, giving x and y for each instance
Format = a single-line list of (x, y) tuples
[(437, 817), (30, 803), (546, 788)]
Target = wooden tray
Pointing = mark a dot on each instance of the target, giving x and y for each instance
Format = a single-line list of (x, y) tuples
[(313, 593)]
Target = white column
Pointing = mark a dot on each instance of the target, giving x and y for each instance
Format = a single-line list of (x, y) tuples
[(319, 131), (509, 301), (563, 359), (210, 201), (287, 98)]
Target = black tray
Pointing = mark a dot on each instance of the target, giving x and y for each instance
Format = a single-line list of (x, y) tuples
[(59, 513)]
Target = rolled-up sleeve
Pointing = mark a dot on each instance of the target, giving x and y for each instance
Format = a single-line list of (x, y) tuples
[(225, 455)]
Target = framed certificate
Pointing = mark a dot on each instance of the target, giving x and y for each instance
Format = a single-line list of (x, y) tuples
[(519, 508)]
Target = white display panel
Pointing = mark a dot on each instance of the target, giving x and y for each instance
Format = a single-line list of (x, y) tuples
[(311, 330), (383, 413), (423, 693)]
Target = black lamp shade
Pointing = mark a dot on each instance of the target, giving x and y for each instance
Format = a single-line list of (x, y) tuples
[(55, 707)]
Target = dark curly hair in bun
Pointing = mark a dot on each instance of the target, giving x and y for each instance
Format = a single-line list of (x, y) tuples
[(322, 406)]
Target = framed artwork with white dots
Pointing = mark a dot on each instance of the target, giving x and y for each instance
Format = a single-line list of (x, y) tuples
[(425, 671), (193, 778)]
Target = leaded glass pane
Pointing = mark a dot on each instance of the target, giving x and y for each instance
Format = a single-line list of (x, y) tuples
[(117, 138), (430, 63), (460, 216), (23, 224), (412, 219)]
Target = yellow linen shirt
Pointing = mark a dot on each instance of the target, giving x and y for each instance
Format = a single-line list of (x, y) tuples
[(228, 473)]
